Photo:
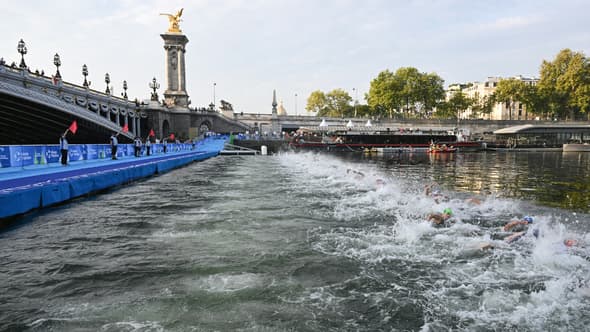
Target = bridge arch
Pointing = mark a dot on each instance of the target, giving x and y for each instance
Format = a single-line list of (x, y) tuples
[(165, 128), (204, 127)]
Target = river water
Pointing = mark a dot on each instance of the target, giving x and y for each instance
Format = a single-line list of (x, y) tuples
[(310, 242)]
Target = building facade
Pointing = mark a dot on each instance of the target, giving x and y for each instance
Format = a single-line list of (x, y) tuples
[(479, 91)]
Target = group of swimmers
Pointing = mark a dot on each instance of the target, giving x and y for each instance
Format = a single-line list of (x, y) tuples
[(516, 229)]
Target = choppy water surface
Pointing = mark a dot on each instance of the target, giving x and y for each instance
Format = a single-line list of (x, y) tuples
[(300, 242)]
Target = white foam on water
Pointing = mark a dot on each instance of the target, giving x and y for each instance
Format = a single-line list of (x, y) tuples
[(532, 283), (221, 283), (133, 326)]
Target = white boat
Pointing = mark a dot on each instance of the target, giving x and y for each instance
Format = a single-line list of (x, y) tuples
[(576, 147)]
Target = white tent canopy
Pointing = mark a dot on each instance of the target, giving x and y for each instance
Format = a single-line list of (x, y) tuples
[(349, 124), (323, 124), (368, 124)]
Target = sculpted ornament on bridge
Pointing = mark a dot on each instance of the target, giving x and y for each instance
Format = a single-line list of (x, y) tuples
[(174, 21)]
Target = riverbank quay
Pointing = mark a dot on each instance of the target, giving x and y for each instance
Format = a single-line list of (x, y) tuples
[(23, 189)]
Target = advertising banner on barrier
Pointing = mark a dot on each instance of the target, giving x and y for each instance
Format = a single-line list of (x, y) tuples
[(4, 156), (39, 155), (76, 152), (104, 151), (130, 151), (23, 156), (52, 154), (91, 151)]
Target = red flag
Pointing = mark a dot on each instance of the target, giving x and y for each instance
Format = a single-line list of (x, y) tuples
[(73, 127), (152, 133), (125, 128), (172, 137)]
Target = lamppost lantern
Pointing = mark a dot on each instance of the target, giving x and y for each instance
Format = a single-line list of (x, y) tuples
[(85, 73), (107, 80), (22, 49), (124, 94), (57, 63), (154, 85)]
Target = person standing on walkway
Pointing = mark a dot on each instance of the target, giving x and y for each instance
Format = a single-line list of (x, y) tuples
[(63, 147), (148, 145), (137, 146), (114, 143)]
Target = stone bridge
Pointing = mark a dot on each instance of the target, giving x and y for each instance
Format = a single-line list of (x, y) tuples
[(36, 109), (269, 123)]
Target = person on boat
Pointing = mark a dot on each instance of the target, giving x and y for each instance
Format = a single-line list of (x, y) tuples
[(441, 219)]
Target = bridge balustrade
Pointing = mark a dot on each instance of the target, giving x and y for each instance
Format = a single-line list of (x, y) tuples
[(86, 103)]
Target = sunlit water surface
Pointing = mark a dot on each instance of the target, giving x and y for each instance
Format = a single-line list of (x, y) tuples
[(304, 242)]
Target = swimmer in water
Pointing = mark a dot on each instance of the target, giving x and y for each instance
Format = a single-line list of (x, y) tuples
[(440, 219), (357, 175), (519, 225), (519, 235), (433, 191)]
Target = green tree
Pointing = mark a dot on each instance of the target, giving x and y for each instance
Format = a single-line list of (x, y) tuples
[(510, 91), (482, 106), (317, 103), (335, 103), (565, 83), (430, 92), (338, 102), (384, 95), (407, 91), (454, 106)]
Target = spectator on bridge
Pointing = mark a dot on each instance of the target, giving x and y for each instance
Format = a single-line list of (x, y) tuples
[(114, 143), (164, 144), (63, 147), (148, 145)]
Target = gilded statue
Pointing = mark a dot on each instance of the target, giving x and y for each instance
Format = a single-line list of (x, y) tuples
[(174, 20)]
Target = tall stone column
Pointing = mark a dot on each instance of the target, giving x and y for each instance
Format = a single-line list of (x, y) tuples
[(175, 94), (138, 130)]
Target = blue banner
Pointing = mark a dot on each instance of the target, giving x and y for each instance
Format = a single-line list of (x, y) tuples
[(5, 156), (91, 151), (76, 153), (52, 154), (23, 156)]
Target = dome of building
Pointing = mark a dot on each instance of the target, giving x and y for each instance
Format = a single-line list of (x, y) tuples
[(281, 110)]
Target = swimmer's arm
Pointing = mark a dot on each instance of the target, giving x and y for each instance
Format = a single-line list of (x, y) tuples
[(513, 224)]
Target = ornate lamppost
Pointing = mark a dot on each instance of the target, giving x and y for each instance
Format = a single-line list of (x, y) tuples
[(154, 85), (356, 100), (22, 49), (124, 94), (107, 80), (85, 73), (214, 85), (57, 63)]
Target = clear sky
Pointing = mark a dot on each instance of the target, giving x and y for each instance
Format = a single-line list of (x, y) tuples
[(250, 47)]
